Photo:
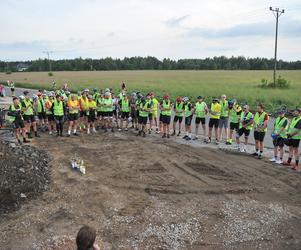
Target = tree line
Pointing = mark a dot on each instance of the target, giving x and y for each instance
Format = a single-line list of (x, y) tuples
[(149, 63)]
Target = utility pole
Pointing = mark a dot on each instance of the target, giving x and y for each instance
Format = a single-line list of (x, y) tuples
[(277, 13), (48, 56)]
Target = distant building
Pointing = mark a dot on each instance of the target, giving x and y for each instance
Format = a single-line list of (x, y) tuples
[(22, 67)]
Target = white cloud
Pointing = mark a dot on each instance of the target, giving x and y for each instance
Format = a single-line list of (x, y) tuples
[(118, 28)]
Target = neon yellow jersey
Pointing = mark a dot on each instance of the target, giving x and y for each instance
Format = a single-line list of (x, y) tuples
[(155, 105), (216, 108)]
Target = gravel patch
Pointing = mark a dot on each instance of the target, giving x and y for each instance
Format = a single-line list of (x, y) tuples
[(24, 174), (246, 221)]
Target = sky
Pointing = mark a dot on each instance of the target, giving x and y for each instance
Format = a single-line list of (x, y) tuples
[(162, 28)]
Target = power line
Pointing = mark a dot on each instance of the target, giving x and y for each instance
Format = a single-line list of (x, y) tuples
[(277, 13), (48, 56)]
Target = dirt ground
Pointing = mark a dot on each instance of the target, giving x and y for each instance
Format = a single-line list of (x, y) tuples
[(154, 194)]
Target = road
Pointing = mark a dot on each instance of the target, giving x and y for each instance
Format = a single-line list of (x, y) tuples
[(268, 140)]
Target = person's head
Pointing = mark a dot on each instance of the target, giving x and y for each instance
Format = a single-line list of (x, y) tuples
[(44, 96), (297, 112), (166, 97), (85, 238), (179, 99), (260, 107), (58, 97), (200, 99), (231, 103), (281, 113), (223, 97), (185, 99), (215, 100), (152, 94), (90, 98), (73, 97), (26, 94), (15, 101), (148, 97), (107, 95), (50, 95), (246, 108)]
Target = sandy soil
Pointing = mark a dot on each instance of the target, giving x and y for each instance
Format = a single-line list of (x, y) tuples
[(153, 194)]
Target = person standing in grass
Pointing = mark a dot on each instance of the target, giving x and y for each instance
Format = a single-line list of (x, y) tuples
[(245, 127), (188, 111), (279, 135), (215, 113), (294, 137), (166, 110), (234, 114), (200, 112), (223, 121), (261, 119), (179, 113)]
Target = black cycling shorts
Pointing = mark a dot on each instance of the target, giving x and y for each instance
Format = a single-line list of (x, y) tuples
[(142, 120), (160, 118), (125, 115), (213, 122), (259, 136), (83, 113), (295, 143), (42, 115), (19, 123), (92, 117), (178, 118), (166, 119), (29, 118), (50, 117), (150, 116), (244, 131), (108, 114), (188, 120), (278, 142), (199, 120), (73, 117), (234, 126)]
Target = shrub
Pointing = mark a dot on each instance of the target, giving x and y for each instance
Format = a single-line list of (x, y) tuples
[(280, 83), (50, 74), (8, 72)]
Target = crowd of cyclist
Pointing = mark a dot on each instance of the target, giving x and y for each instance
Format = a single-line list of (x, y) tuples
[(88, 112)]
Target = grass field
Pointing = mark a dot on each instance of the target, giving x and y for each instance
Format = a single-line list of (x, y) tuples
[(242, 85)]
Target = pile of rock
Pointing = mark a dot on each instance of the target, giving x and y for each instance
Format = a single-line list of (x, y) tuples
[(24, 174)]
